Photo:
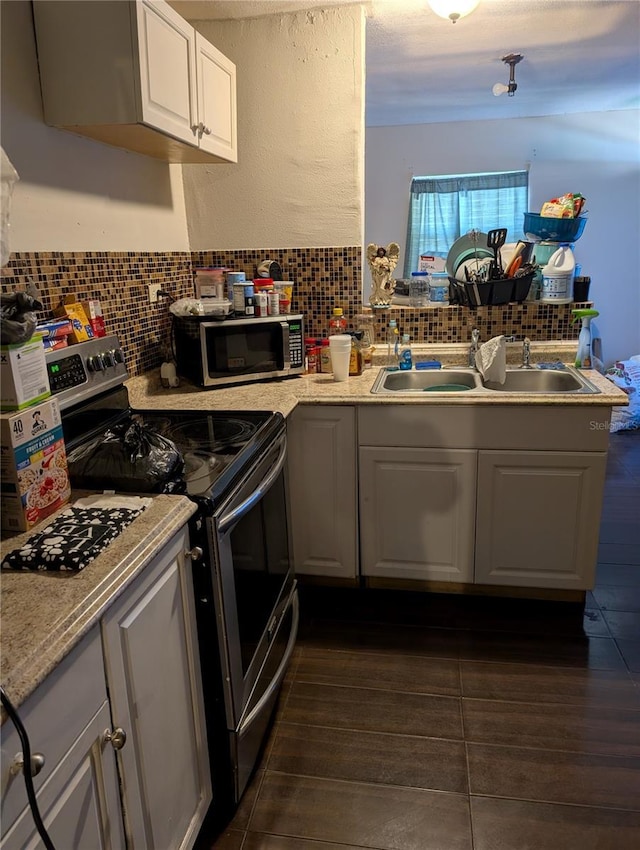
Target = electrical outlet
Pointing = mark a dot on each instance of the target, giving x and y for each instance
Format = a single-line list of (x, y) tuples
[(154, 289)]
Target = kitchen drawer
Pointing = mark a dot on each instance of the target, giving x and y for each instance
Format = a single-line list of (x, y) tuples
[(54, 716)]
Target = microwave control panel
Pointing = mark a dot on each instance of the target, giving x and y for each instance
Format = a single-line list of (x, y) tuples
[(296, 347)]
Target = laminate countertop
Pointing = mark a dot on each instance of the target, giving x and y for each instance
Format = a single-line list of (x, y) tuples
[(45, 614), (284, 395)]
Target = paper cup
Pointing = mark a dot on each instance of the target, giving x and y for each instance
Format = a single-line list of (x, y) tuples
[(340, 348)]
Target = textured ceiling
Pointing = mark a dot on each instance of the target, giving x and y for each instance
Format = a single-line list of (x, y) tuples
[(579, 56)]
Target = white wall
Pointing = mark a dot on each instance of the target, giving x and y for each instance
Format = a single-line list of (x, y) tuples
[(596, 154), (299, 180), (75, 194)]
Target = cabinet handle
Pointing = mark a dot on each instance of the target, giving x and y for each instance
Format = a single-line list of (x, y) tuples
[(195, 129), (37, 763), (118, 738), (206, 130), (195, 554)]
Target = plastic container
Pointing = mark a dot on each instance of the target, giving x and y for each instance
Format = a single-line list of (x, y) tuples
[(537, 227), (439, 289), (356, 359), (419, 289), (337, 322), (393, 339), (557, 277), (405, 360)]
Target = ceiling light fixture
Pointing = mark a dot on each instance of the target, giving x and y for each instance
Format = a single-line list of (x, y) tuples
[(511, 60), (453, 9)]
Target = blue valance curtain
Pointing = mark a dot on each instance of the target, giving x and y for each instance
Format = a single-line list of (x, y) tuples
[(442, 209)]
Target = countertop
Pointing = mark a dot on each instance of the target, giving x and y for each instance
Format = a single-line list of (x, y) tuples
[(45, 614), (285, 394)]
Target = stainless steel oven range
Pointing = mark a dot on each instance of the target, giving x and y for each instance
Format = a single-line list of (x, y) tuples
[(246, 598)]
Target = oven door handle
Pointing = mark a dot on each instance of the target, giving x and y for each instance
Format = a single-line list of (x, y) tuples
[(234, 515), (282, 667)]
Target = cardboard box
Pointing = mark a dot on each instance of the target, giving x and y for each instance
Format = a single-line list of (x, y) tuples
[(33, 465), (93, 309), (74, 311), (23, 374), (430, 263)]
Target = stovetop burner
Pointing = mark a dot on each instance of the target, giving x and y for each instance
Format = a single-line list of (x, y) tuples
[(208, 434)]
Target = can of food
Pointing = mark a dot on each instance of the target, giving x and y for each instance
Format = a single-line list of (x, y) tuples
[(274, 303), (261, 304), (238, 297)]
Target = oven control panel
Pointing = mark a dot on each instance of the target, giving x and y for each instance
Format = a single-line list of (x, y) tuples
[(82, 371)]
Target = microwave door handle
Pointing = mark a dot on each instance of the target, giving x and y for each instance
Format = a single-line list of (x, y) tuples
[(285, 345), (227, 520)]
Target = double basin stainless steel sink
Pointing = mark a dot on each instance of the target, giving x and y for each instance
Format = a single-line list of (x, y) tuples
[(461, 380)]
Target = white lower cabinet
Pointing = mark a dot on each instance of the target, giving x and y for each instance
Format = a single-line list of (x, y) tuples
[(126, 704), (538, 518), (323, 490), (417, 513)]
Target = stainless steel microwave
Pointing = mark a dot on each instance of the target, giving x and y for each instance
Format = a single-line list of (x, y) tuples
[(236, 351)]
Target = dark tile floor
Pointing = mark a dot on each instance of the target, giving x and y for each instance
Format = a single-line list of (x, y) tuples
[(424, 722)]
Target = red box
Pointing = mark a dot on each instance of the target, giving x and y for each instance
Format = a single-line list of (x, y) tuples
[(93, 309)]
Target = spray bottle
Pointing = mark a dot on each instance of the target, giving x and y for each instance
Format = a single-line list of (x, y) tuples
[(589, 355)]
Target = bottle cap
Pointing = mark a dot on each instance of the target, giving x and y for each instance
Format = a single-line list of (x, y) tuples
[(337, 311), (583, 312), (405, 337)]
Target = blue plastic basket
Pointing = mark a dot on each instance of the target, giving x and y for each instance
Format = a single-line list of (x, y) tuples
[(539, 228)]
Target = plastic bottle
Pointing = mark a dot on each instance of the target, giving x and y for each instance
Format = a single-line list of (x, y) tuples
[(337, 322), (589, 355), (557, 277), (405, 361), (355, 360), (393, 340)]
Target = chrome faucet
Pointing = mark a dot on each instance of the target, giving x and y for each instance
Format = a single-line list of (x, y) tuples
[(475, 345), (526, 353)]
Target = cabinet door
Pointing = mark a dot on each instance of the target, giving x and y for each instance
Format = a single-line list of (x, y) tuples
[(149, 641), (216, 77), (417, 513), (323, 494), (166, 45), (79, 803), (538, 518)]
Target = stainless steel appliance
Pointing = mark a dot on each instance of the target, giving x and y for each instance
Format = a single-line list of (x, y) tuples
[(219, 353), (246, 598)]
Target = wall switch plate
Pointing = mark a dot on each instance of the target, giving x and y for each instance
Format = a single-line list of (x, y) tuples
[(154, 289)]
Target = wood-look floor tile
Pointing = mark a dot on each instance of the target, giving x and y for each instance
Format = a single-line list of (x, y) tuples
[(619, 553), (379, 637), (374, 710), (614, 598), (613, 530), (579, 728), (372, 816), (411, 761), (230, 839), (379, 670), (623, 624), (517, 825), (554, 777), (261, 841), (563, 650), (533, 684)]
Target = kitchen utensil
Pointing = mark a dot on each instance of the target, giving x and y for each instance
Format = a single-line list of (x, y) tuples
[(513, 266), (495, 240)]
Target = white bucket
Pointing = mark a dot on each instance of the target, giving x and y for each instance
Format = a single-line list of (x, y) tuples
[(557, 277)]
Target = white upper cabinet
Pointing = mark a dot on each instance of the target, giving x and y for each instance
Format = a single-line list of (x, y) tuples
[(134, 74)]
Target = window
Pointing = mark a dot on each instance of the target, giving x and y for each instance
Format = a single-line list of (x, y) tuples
[(442, 209)]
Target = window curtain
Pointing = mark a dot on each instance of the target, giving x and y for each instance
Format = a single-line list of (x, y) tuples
[(442, 209)]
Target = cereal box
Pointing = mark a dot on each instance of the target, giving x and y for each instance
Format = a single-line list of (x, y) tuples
[(23, 374), (33, 468), (74, 311)]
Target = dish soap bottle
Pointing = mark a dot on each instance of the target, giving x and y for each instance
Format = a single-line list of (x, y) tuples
[(405, 361), (337, 322), (589, 355)]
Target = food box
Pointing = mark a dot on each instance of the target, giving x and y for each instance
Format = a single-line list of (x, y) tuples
[(430, 263), (93, 310), (33, 468), (23, 374), (74, 311)]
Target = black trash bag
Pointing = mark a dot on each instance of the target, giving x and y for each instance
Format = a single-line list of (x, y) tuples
[(129, 458), (17, 315)]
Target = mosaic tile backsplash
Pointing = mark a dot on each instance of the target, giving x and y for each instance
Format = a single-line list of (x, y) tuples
[(323, 278)]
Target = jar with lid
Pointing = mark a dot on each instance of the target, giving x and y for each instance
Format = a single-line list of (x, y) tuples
[(312, 355), (419, 289), (355, 360), (325, 357), (364, 322)]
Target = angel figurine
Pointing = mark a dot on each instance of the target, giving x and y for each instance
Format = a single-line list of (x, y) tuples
[(382, 262)]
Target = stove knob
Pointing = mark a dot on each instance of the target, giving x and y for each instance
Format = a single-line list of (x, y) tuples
[(98, 363), (91, 364), (109, 359), (118, 355), (195, 554)]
